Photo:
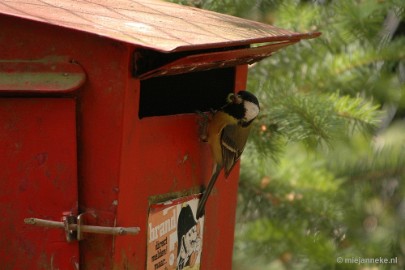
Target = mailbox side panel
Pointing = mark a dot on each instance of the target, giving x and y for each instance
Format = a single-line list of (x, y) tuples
[(163, 158), (98, 114), (37, 179)]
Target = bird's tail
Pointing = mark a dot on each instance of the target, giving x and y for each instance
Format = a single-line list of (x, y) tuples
[(207, 192)]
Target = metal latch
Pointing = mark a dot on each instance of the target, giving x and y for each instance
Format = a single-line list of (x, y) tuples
[(74, 227)]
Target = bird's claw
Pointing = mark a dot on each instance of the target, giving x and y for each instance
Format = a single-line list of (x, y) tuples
[(203, 123)]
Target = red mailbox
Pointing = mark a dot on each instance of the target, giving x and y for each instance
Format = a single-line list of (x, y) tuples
[(98, 136)]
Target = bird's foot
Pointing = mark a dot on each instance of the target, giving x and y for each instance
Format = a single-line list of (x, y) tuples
[(203, 123)]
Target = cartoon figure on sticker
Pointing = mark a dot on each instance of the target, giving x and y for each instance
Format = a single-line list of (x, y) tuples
[(189, 240)]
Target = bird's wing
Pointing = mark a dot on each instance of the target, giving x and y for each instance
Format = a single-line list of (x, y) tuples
[(233, 141)]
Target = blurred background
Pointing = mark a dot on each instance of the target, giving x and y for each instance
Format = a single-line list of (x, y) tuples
[(323, 175)]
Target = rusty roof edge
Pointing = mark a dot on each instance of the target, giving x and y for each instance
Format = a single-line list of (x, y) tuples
[(268, 39)]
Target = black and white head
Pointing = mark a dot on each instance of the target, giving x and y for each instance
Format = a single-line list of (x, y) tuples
[(245, 107)]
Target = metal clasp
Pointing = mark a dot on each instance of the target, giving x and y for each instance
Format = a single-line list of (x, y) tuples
[(74, 227)]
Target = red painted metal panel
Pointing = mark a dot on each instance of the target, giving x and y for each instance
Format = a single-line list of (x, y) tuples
[(99, 117), (37, 179), (161, 156), (151, 23)]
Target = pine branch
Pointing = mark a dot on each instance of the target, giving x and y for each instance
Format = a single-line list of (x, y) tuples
[(354, 58), (314, 119), (384, 163), (359, 114)]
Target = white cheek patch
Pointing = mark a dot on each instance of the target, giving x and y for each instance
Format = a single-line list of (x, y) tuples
[(252, 110)]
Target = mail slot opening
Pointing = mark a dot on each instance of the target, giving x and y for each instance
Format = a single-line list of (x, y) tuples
[(185, 93)]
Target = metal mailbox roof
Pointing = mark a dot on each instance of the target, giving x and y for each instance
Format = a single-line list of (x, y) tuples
[(154, 24)]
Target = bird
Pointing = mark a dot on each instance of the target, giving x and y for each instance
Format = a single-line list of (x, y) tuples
[(227, 131)]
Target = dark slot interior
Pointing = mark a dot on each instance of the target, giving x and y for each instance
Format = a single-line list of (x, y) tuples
[(185, 93)]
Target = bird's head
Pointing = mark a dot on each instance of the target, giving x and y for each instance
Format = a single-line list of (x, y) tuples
[(246, 105)]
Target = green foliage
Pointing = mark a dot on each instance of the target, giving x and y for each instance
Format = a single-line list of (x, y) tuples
[(323, 175), (312, 118)]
